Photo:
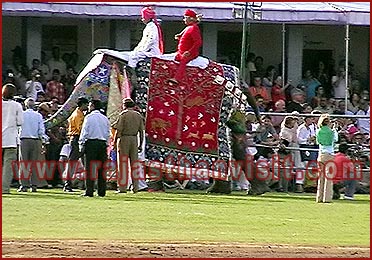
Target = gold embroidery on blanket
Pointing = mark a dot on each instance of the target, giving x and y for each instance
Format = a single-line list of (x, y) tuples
[(161, 125), (196, 101), (209, 136), (193, 135)]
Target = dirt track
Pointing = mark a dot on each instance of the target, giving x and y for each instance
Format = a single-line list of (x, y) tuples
[(118, 249)]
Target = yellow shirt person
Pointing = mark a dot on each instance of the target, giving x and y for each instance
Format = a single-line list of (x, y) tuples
[(75, 121)]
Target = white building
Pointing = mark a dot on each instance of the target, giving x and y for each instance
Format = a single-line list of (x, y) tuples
[(307, 32)]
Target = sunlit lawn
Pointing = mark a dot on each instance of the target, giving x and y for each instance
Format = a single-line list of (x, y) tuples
[(187, 216)]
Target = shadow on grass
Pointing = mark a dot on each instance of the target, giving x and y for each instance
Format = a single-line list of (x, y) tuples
[(195, 197)]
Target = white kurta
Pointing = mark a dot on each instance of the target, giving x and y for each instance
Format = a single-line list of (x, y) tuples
[(150, 40), (339, 87), (12, 119), (303, 133), (364, 123), (147, 47)]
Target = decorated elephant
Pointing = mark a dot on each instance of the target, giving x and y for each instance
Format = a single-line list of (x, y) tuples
[(186, 124)]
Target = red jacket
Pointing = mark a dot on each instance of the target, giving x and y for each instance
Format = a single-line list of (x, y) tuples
[(343, 167), (261, 90), (277, 94), (190, 40)]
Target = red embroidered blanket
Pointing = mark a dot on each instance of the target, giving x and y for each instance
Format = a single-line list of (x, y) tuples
[(185, 116)]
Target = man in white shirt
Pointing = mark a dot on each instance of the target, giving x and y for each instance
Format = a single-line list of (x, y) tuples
[(306, 132), (151, 43), (251, 68), (33, 86), (56, 62), (306, 138), (364, 110), (339, 84), (12, 119), (93, 142), (32, 134)]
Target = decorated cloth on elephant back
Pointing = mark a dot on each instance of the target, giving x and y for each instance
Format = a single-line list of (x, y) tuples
[(177, 116)]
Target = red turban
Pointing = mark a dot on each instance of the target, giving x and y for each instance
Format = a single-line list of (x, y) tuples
[(148, 13), (190, 13)]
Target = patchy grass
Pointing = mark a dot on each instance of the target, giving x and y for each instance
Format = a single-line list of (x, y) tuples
[(188, 217)]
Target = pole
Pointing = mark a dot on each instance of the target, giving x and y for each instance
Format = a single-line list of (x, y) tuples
[(347, 39), (243, 53), (248, 37), (283, 54), (92, 32)]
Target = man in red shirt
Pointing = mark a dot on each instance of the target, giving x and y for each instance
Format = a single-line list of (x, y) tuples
[(189, 43), (345, 171), (259, 89), (55, 88), (278, 90)]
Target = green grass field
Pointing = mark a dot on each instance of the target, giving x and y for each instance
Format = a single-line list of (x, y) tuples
[(187, 217)]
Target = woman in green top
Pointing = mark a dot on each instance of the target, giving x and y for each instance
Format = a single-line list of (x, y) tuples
[(325, 137)]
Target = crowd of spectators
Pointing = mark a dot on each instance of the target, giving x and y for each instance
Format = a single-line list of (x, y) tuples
[(46, 79), (50, 82), (321, 91)]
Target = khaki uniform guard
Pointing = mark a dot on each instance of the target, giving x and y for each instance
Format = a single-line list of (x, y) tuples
[(128, 125)]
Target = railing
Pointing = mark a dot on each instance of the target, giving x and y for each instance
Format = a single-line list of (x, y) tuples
[(300, 149), (312, 115)]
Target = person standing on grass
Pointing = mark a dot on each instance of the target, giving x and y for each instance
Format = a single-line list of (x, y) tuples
[(129, 124), (306, 139), (93, 142), (326, 138), (287, 139), (32, 136), (12, 119), (75, 122), (189, 44)]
